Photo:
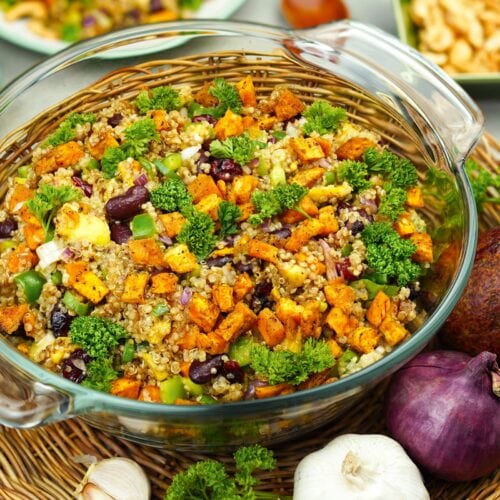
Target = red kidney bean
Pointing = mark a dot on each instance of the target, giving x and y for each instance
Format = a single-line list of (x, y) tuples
[(120, 233), (128, 204), (233, 372), (219, 261), (282, 233), (7, 227), (201, 372), (260, 297), (243, 267), (115, 120), (84, 186), (205, 118), (60, 321), (225, 170)]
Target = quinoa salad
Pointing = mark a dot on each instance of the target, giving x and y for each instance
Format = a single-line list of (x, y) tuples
[(210, 245)]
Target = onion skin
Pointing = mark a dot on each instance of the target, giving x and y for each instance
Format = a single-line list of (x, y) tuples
[(442, 409)]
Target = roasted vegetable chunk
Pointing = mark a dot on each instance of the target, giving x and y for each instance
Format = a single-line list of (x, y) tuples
[(202, 312)]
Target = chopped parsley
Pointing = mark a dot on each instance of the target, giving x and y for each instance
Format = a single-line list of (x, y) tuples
[(165, 97), (228, 214), (172, 196), (400, 172), (355, 173), (66, 130), (198, 234), (100, 375), (323, 118), (392, 204), (287, 366), (228, 98), (240, 149)]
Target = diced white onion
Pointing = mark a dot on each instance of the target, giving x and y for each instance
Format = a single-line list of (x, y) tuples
[(50, 252), (189, 152)]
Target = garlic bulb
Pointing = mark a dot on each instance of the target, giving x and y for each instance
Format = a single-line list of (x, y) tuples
[(114, 479), (360, 467)]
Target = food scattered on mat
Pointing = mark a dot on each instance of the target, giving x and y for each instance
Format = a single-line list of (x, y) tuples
[(474, 324), (443, 407), (461, 36), (76, 20), (205, 248), (114, 479), (361, 467), (209, 479)]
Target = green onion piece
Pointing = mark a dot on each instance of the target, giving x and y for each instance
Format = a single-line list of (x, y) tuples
[(143, 226), (346, 251), (277, 176), (6, 244), (344, 360), (24, 171), (205, 399), (32, 283), (73, 303), (263, 167), (128, 351), (172, 389), (56, 278), (191, 387), (173, 162), (279, 134), (160, 309), (330, 178)]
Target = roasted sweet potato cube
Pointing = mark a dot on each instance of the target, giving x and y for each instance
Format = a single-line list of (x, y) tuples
[(134, 288), (238, 321), (424, 247), (309, 177), (307, 149), (363, 339), (126, 387), (212, 343), (379, 309), (223, 297), (106, 141), (393, 331), (264, 251), (11, 317), (302, 234), (150, 394), (247, 209), (202, 312), (292, 216), (328, 220), (404, 225), (270, 327), (164, 283), (354, 148), (172, 223), (190, 338), (21, 259), (242, 286), (415, 198), (90, 286), (229, 125), (64, 155), (19, 195), (242, 189), (323, 194), (209, 205), (287, 105), (180, 259), (246, 90), (34, 235), (289, 313), (146, 252), (310, 322), (267, 122), (325, 144), (338, 294), (335, 348), (340, 322), (269, 391), (204, 97), (203, 185)]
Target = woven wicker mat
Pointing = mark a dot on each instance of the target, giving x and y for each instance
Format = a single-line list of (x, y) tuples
[(39, 463)]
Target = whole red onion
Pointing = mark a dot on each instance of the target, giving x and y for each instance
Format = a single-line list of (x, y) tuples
[(444, 408)]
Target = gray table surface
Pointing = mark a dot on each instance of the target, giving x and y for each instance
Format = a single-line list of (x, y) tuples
[(15, 60)]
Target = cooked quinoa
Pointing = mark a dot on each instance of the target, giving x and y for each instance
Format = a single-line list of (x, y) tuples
[(204, 247)]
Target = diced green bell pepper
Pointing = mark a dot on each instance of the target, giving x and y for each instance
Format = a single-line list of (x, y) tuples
[(56, 278), (32, 284), (143, 226), (73, 303), (172, 389), (205, 399), (24, 171), (330, 178), (279, 134), (128, 351), (346, 251), (191, 387), (173, 162), (241, 350), (373, 288)]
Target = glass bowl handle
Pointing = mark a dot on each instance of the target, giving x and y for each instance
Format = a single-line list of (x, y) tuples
[(409, 78), (26, 403)]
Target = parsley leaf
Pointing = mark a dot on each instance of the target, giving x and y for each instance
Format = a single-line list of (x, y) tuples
[(240, 149), (100, 375), (172, 196), (198, 234), (165, 97), (47, 201), (392, 204), (66, 130), (354, 173), (275, 201), (228, 97), (138, 136), (388, 253), (322, 118), (110, 160), (400, 172), (228, 214), (480, 181)]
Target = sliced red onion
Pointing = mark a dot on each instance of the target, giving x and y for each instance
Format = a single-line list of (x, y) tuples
[(324, 163), (142, 180), (266, 226), (250, 392), (369, 203), (186, 295), (331, 268), (254, 162), (67, 254), (88, 21), (165, 239)]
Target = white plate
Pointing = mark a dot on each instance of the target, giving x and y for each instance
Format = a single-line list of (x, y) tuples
[(18, 33)]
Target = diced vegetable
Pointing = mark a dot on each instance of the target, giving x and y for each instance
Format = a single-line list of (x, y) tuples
[(143, 226), (31, 283), (73, 303)]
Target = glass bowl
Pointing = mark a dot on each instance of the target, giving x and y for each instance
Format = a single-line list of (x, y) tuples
[(419, 111)]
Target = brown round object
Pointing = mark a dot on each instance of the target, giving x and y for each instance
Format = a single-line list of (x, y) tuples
[(474, 324)]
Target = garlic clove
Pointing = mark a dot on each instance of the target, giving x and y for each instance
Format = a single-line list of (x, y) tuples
[(114, 479)]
